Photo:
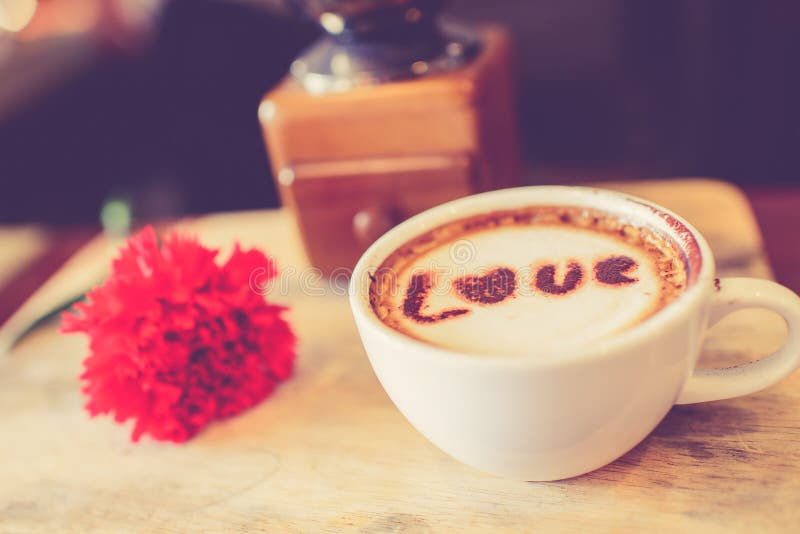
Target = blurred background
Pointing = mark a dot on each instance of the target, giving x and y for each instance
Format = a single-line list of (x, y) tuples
[(155, 100)]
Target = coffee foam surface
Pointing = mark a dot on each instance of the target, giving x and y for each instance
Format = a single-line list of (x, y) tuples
[(561, 278)]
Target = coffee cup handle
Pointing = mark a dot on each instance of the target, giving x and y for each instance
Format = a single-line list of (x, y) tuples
[(735, 294)]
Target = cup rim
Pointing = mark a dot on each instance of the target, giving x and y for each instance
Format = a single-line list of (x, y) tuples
[(517, 197)]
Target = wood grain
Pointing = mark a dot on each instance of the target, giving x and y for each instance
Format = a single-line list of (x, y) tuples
[(392, 149), (328, 198), (329, 452)]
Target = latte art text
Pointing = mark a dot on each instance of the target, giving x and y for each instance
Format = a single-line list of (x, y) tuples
[(505, 281), (500, 283)]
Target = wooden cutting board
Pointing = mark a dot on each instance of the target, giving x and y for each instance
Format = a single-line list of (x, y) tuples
[(330, 453)]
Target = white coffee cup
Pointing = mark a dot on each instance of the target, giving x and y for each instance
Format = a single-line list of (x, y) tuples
[(547, 418)]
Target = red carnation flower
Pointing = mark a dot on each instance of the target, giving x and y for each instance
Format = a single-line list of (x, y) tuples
[(177, 341)]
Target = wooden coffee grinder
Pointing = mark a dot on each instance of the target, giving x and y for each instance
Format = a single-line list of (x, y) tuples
[(384, 117)]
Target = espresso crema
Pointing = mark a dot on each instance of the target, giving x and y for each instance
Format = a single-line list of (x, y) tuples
[(527, 280)]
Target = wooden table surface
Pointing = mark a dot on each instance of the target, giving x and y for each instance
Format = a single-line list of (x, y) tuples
[(329, 452)]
